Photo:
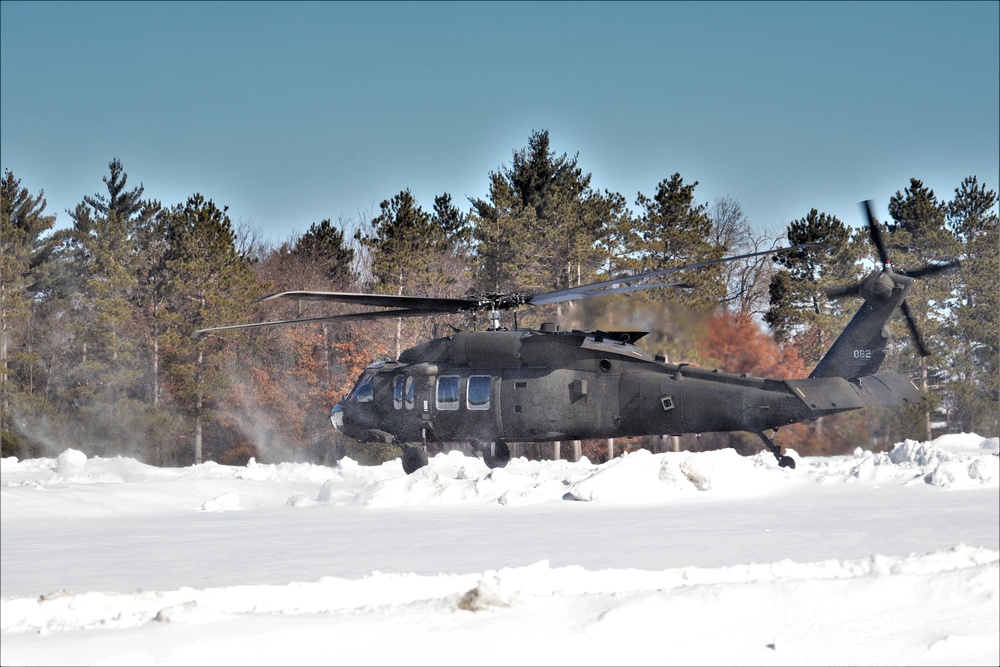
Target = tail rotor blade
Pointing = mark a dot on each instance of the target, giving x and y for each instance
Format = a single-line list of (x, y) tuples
[(914, 331), (931, 269), (838, 292), (875, 232)]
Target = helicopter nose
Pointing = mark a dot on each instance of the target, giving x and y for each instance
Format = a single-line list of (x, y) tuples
[(337, 417)]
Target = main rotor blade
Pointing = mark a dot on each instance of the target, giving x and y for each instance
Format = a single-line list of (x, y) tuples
[(914, 331), (419, 306), (431, 303), (875, 232), (595, 289), (554, 297), (378, 314)]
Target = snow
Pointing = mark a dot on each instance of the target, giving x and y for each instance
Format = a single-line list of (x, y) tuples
[(676, 558)]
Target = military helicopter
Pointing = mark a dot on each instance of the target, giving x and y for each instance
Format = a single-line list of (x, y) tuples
[(498, 386)]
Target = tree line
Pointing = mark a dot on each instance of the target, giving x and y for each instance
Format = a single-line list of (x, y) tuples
[(96, 318)]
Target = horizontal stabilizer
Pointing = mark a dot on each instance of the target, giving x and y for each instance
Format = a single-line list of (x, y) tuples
[(836, 393)]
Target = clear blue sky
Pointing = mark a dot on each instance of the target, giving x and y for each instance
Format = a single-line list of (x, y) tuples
[(289, 113)]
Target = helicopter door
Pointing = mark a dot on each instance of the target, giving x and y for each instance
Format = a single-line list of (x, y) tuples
[(412, 403), (462, 407)]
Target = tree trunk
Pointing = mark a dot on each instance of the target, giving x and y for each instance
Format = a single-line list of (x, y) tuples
[(197, 435), (399, 321), (197, 408), (927, 410), (4, 399)]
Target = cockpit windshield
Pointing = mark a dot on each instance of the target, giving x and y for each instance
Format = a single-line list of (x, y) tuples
[(364, 390)]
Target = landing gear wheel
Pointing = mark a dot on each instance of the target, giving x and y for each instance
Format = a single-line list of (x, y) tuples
[(414, 458), (496, 455), (784, 461)]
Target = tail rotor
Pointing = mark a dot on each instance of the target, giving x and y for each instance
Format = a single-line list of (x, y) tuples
[(880, 284)]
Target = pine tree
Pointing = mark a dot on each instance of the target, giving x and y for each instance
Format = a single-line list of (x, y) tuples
[(23, 248), (404, 242), (406, 247), (453, 223), (209, 281), (675, 230), (108, 383), (799, 311), (502, 233), (617, 239), (917, 235), (537, 230), (974, 331), (323, 246)]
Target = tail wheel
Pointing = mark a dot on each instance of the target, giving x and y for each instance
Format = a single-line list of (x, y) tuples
[(414, 458), (496, 454)]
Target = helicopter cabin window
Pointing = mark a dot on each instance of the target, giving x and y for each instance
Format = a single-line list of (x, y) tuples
[(447, 392), (364, 390), (398, 383), (478, 394), (410, 393)]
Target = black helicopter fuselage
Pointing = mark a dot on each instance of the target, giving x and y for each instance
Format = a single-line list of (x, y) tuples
[(537, 386)]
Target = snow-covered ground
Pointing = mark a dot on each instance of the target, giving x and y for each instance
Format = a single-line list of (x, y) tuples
[(677, 558)]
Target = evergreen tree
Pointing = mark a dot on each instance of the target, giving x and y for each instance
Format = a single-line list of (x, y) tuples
[(109, 382), (617, 239), (208, 281), (502, 232), (323, 246), (974, 331), (119, 202), (407, 249), (453, 223), (675, 230), (917, 235), (538, 228), (23, 248), (455, 259), (404, 242), (799, 311)]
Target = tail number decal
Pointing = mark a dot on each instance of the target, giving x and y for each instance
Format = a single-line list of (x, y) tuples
[(862, 354)]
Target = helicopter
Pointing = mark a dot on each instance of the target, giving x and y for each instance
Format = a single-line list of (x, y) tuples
[(498, 386)]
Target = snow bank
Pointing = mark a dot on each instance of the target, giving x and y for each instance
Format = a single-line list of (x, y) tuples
[(950, 461)]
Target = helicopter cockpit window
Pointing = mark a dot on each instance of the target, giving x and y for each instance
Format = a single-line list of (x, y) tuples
[(364, 390), (397, 391), (447, 392), (478, 394), (410, 393)]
